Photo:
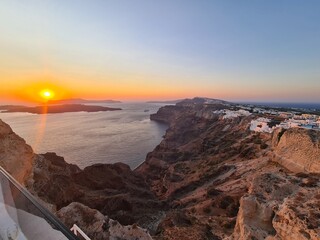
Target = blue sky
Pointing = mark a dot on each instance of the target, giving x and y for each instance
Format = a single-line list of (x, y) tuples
[(235, 50)]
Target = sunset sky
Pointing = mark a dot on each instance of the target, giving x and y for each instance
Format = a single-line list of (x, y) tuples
[(168, 49)]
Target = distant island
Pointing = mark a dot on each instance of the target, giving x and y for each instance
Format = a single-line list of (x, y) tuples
[(166, 101), (196, 100), (55, 109), (80, 101)]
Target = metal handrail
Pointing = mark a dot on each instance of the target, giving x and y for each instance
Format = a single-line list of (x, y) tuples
[(75, 229), (48, 215)]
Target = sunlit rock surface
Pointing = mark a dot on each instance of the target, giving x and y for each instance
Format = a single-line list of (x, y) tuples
[(297, 149), (113, 189), (223, 181), (16, 156), (209, 178), (280, 206), (97, 226)]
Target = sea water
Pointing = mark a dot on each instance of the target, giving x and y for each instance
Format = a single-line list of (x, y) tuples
[(87, 138)]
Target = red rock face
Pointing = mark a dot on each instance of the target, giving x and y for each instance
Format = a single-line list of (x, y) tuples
[(113, 189), (16, 156), (97, 226), (191, 162), (297, 149), (210, 178), (220, 177)]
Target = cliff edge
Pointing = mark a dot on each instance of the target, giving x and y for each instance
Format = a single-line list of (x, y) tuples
[(297, 149), (108, 201), (16, 156), (223, 181), (209, 178)]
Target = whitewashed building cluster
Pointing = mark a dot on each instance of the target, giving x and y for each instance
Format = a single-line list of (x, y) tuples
[(272, 117), (304, 121), (261, 125), (228, 114)]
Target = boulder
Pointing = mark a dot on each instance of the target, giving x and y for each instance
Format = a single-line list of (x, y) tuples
[(97, 226), (280, 206)]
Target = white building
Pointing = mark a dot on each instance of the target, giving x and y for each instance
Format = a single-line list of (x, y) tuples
[(261, 125), (233, 114)]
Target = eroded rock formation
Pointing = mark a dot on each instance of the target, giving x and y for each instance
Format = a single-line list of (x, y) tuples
[(224, 182), (16, 156), (210, 178), (280, 206), (113, 189), (97, 226), (297, 149)]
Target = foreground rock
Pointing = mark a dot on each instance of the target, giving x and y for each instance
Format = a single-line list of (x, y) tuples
[(113, 189), (16, 156), (91, 221), (280, 206), (297, 149), (98, 226)]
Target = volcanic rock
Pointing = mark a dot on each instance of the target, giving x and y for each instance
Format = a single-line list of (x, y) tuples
[(113, 189), (279, 206), (16, 156), (297, 149), (209, 178), (226, 180), (98, 226)]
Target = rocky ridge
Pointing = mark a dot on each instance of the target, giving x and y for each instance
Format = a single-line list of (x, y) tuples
[(210, 178), (226, 182)]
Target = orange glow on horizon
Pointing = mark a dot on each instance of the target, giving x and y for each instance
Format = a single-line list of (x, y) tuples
[(40, 92), (35, 90)]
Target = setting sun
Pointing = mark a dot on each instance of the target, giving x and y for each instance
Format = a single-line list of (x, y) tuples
[(47, 94)]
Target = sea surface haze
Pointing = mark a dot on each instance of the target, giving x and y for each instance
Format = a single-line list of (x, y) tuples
[(88, 138)]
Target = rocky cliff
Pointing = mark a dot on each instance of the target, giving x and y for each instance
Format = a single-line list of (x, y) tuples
[(16, 156), (280, 206), (112, 189), (297, 149), (223, 181), (210, 178)]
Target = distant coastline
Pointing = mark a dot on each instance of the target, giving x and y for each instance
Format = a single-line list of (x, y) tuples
[(55, 109), (166, 101), (286, 105)]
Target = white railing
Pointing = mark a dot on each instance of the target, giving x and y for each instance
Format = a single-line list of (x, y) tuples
[(76, 230)]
